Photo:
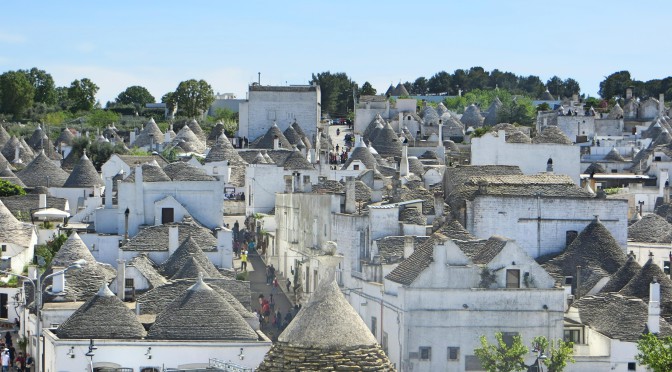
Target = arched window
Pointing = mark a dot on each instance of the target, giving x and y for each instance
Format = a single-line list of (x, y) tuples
[(549, 162)]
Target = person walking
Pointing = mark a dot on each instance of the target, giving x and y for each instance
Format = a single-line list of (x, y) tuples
[(4, 358), (20, 362), (276, 286), (288, 285), (243, 261)]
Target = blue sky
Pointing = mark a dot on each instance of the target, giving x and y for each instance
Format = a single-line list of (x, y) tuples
[(157, 44)]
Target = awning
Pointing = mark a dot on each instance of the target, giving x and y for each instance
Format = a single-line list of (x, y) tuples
[(51, 213)]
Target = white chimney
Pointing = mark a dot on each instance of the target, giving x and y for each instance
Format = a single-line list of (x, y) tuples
[(58, 281), (173, 239), (43, 201), (225, 246), (661, 104), (137, 308), (17, 159), (313, 157), (166, 137), (440, 254), (653, 322), (350, 190), (132, 140), (276, 143), (409, 245), (403, 166), (32, 271), (121, 279), (440, 132)]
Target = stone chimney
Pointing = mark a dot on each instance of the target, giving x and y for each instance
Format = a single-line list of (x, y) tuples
[(173, 239), (653, 323), (43, 201), (121, 279), (403, 166), (661, 104), (350, 191), (440, 132), (58, 281), (440, 255), (438, 204), (409, 246), (313, 157), (132, 139), (628, 93), (276, 143), (17, 159), (108, 192)]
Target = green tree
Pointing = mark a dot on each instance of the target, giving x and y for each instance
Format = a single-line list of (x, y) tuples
[(501, 357), (615, 84), (57, 117), (170, 100), (543, 107), (419, 86), (439, 83), (9, 189), (336, 90), (558, 353), (477, 78), (82, 94), (16, 93), (45, 89), (135, 95), (655, 352), (102, 118), (517, 111), (367, 90), (194, 97)]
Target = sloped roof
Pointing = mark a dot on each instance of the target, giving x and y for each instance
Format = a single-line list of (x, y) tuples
[(187, 250), (410, 268), (35, 140), (151, 172), (191, 269), (613, 155), (296, 161), (361, 153), (224, 150), (266, 141), (4, 163), (132, 160), (155, 238), (84, 174), (22, 204), (215, 133), (299, 130), (652, 228), (387, 142), (472, 117), (616, 112), (4, 136), (183, 171), (9, 176), (147, 268), (617, 316), (412, 216), (391, 248), (197, 130), (414, 190), (200, 313), (14, 231), (552, 134), (292, 136), (8, 151), (621, 277), (638, 286), (493, 110), (85, 282), (103, 316), (151, 130), (188, 141), (546, 96), (490, 250), (594, 168), (156, 299), (513, 134), (400, 90), (415, 166), (42, 172), (454, 230), (594, 249)]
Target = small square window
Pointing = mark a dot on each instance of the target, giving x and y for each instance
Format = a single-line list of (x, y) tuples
[(425, 353), (632, 366), (355, 167), (4, 247), (512, 278), (453, 353), (508, 337)]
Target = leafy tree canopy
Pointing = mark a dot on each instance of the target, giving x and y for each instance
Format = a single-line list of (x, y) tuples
[(102, 118), (45, 89), (9, 189), (135, 95), (655, 353), (336, 90), (367, 90), (500, 357), (16, 93), (82, 94), (193, 97)]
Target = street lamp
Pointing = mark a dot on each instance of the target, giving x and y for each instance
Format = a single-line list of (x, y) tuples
[(37, 284), (540, 357)]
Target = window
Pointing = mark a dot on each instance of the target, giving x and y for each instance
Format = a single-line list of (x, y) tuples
[(4, 247), (129, 283), (569, 280), (666, 267), (453, 353), (512, 278), (167, 215), (425, 353), (573, 335), (614, 171), (150, 369), (632, 366), (374, 326), (355, 167), (508, 337)]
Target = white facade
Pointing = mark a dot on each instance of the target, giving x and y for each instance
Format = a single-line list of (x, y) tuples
[(282, 105), (531, 158), (540, 225), (264, 181)]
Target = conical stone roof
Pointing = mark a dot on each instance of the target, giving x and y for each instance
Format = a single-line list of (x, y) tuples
[(441, 109), (12, 230), (292, 136), (621, 277), (491, 117), (472, 117), (8, 151), (190, 270), (9, 176), (4, 163), (183, 171), (400, 90), (311, 343), (552, 134), (42, 172), (214, 134), (65, 137), (4, 136), (267, 140), (198, 131), (103, 316), (361, 153), (35, 140), (594, 168), (188, 141), (223, 151), (183, 254), (296, 161), (614, 155), (200, 313), (546, 96), (652, 228), (84, 174), (151, 130), (387, 143), (638, 286)]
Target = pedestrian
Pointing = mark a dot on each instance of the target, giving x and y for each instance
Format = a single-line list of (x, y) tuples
[(288, 319), (5, 360), (20, 362), (29, 362), (268, 275), (271, 303), (250, 246), (12, 355), (243, 261), (8, 339), (276, 286), (272, 269), (289, 284), (278, 320)]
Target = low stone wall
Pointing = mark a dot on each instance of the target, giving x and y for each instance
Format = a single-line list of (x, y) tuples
[(234, 207)]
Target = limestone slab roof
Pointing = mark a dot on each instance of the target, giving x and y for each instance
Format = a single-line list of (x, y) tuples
[(616, 112), (361, 153), (492, 247), (415, 190), (182, 256), (594, 249), (197, 130), (215, 133), (292, 135), (412, 216), (148, 269), (297, 161), (614, 156), (472, 117), (621, 277), (42, 171), (103, 316), (9, 176), (493, 110), (200, 313), (151, 172), (513, 134), (149, 134), (8, 151), (66, 137), (156, 299), (400, 90), (454, 230), (387, 143), (638, 286), (617, 316), (133, 160), (391, 248), (188, 141), (267, 140), (552, 134), (549, 185), (183, 171), (155, 238), (410, 268), (652, 228), (223, 150), (594, 168), (4, 136), (12, 230), (84, 174), (22, 204), (4, 164)]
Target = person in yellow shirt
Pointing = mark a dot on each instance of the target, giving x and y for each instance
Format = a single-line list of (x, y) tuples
[(243, 261)]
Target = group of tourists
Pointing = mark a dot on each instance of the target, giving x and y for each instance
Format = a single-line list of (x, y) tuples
[(10, 359)]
